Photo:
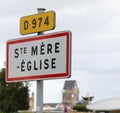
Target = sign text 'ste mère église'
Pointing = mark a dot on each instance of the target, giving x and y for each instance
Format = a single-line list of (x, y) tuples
[(38, 50)]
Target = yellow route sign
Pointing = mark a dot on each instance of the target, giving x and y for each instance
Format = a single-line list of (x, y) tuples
[(37, 23)]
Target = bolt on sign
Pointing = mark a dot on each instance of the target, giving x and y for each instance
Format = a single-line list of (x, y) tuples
[(39, 57), (37, 22)]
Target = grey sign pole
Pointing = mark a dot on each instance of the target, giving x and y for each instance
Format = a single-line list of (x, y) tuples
[(39, 96)]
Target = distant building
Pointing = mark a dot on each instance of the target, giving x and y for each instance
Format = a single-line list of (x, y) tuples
[(53, 106), (31, 102), (70, 93)]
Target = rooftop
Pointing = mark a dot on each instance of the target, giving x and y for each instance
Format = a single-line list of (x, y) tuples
[(107, 105), (69, 84)]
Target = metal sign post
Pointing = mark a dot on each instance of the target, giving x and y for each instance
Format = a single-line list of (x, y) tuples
[(39, 96)]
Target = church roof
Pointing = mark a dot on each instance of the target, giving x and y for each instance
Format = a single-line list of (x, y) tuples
[(69, 84)]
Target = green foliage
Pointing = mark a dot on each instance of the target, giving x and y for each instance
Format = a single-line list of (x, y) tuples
[(13, 96), (26, 111), (1, 111), (80, 107)]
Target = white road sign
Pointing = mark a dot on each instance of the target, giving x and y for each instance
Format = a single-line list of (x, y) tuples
[(39, 57)]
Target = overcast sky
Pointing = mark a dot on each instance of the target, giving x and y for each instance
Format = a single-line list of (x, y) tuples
[(95, 27)]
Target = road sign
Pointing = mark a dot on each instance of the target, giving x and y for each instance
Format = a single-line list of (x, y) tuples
[(39, 57), (37, 23)]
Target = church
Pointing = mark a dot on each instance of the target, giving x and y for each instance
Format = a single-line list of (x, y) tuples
[(70, 96), (70, 93)]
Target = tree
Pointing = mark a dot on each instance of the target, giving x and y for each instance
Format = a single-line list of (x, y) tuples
[(80, 108), (13, 96)]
